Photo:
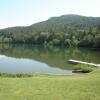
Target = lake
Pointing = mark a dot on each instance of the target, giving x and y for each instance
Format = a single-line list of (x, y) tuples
[(40, 59)]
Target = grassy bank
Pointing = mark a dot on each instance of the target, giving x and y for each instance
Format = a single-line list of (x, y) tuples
[(51, 87)]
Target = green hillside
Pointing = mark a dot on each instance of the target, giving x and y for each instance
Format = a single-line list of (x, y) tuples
[(68, 30)]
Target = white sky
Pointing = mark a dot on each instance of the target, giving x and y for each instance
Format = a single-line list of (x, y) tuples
[(27, 12)]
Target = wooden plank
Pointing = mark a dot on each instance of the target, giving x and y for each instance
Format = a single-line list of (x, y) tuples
[(81, 62)]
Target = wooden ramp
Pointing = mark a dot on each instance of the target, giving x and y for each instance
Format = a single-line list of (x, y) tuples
[(81, 62)]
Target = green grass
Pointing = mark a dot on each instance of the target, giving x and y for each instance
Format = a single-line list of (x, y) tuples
[(18, 75), (51, 87)]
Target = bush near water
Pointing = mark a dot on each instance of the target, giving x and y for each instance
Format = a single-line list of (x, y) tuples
[(84, 68)]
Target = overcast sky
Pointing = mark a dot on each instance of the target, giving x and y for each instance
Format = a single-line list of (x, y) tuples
[(27, 12)]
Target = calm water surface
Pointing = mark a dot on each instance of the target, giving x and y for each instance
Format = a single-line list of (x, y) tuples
[(29, 58)]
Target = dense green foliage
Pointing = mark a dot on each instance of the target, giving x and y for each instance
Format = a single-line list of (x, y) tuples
[(84, 68), (52, 87), (68, 30)]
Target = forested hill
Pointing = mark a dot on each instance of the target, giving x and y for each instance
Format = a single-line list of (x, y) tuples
[(67, 22), (69, 30)]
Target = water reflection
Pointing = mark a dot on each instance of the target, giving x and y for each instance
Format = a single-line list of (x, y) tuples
[(30, 58)]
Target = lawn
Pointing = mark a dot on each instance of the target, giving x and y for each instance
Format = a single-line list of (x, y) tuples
[(51, 87)]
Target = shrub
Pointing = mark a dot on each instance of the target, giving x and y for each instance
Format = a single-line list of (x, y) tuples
[(19, 75), (84, 68)]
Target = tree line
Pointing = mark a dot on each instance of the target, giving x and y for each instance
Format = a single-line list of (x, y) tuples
[(69, 30), (84, 39)]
